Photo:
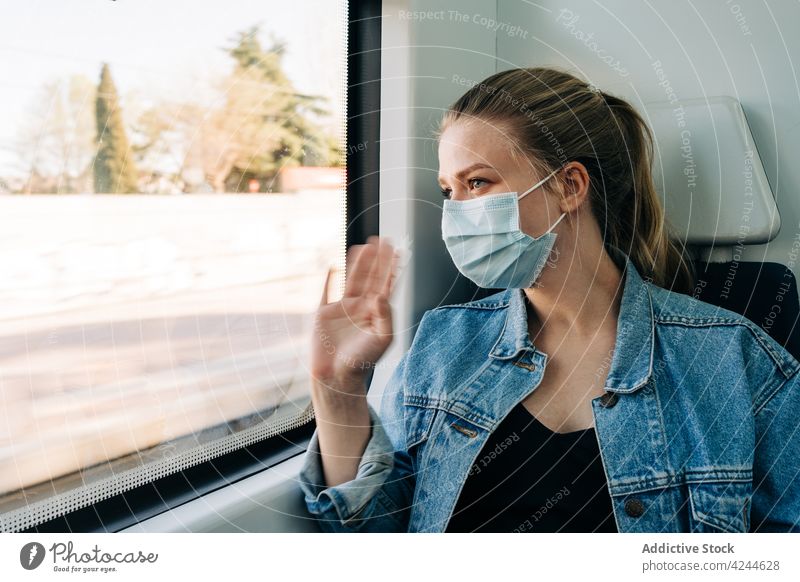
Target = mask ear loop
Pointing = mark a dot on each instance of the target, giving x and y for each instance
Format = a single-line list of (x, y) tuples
[(539, 183), (534, 187), (563, 214)]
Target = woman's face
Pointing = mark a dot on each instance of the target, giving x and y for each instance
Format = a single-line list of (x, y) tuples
[(475, 160)]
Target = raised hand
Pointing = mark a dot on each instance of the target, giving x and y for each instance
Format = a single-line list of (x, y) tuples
[(351, 334)]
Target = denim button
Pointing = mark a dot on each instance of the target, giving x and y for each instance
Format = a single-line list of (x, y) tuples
[(529, 367), (609, 399), (467, 431), (634, 507)]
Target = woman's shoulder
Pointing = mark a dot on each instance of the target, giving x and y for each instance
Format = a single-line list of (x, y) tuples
[(465, 314), (688, 314), (497, 300), (459, 333), (672, 306)]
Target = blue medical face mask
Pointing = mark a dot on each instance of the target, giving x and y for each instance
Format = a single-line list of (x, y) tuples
[(484, 239)]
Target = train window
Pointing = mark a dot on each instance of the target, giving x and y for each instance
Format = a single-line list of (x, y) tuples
[(173, 194)]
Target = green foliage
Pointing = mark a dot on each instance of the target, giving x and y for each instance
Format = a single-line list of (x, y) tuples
[(260, 124), (114, 167), (268, 120)]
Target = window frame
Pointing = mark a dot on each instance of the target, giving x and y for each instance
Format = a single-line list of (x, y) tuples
[(130, 507)]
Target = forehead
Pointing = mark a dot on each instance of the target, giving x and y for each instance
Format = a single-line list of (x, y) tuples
[(465, 143)]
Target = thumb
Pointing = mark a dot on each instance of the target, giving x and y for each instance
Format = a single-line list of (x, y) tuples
[(326, 288)]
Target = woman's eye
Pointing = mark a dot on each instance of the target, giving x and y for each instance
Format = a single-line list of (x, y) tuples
[(446, 192)]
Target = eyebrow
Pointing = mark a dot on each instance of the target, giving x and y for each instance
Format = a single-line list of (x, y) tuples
[(469, 169)]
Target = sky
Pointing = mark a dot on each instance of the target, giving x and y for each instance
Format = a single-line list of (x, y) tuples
[(156, 48)]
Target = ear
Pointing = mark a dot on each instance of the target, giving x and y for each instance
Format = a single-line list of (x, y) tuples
[(576, 186)]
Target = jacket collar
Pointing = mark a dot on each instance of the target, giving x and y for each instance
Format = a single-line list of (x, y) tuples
[(632, 362)]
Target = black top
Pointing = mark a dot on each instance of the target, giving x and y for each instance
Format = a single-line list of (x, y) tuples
[(528, 478)]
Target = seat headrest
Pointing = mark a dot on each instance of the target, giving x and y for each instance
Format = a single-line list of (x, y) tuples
[(709, 174)]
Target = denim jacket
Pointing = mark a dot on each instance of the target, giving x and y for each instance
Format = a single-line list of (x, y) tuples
[(697, 428)]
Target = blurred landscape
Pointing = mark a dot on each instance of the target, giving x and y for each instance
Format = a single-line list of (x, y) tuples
[(171, 198), (153, 318)]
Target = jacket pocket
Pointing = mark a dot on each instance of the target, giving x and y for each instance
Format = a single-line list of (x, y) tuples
[(720, 506), (419, 420)]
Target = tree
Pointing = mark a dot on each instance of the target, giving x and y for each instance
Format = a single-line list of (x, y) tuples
[(114, 166), (263, 123), (57, 141), (269, 116), (258, 124)]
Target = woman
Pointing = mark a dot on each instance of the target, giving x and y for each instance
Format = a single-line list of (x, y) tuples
[(584, 396)]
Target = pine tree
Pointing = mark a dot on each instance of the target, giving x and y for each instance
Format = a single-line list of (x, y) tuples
[(114, 168), (266, 118)]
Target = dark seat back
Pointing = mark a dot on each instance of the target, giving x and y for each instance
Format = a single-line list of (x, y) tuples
[(765, 293)]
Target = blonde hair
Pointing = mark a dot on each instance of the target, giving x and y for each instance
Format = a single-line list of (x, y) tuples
[(554, 117)]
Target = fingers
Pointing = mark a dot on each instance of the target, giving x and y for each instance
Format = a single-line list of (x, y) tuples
[(359, 262), (383, 312), (391, 280), (371, 267), (381, 269)]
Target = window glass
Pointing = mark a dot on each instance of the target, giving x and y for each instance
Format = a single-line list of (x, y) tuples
[(172, 194)]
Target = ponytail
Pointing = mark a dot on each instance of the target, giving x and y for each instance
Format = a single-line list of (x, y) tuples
[(643, 231)]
